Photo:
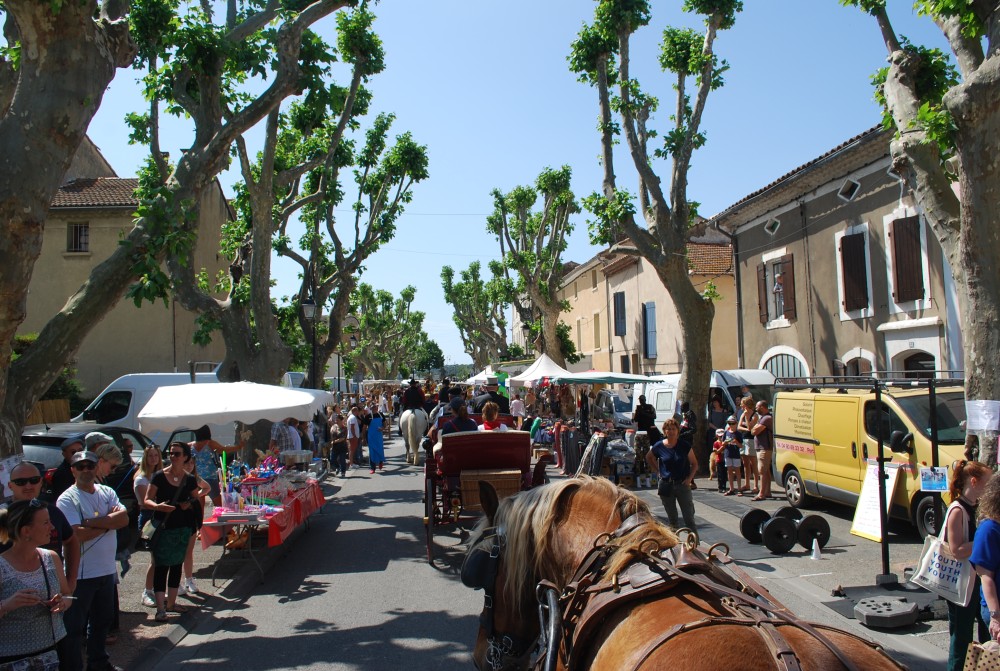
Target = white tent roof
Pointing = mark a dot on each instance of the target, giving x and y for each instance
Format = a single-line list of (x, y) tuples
[(191, 405), (543, 366), (600, 377), (480, 377)]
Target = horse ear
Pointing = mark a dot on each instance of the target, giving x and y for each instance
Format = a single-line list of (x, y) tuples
[(489, 500)]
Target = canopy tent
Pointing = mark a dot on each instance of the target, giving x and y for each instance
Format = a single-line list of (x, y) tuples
[(543, 367), (192, 405), (480, 377), (600, 377)]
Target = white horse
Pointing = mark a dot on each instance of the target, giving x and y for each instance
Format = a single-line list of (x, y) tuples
[(413, 423)]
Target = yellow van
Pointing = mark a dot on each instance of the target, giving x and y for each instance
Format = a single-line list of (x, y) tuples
[(824, 437)]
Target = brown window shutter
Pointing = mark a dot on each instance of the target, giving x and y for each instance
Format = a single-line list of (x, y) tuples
[(762, 293), (788, 279), (854, 267), (906, 260)]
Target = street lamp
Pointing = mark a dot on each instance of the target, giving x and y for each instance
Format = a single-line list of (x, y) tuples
[(311, 314)]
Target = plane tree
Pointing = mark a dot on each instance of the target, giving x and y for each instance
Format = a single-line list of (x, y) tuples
[(479, 310), (947, 119), (390, 332), (654, 222)]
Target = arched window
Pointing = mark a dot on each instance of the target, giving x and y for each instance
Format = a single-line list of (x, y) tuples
[(786, 366), (919, 364)]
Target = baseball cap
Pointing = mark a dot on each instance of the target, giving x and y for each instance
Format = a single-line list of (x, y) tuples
[(95, 438), (83, 456), (456, 403), (731, 420), (720, 432), (78, 438)]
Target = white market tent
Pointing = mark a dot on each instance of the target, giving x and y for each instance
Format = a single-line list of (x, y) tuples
[(192, 405), (543, 367), (480, 377), (600, 377)]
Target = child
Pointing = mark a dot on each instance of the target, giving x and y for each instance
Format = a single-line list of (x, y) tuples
[(733, 440), (717, 465)]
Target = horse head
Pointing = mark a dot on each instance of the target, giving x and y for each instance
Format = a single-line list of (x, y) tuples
[(540, 534)]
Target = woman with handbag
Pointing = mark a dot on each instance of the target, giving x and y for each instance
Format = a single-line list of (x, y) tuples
[(170, 491), (152, 461), (33, 590), (968, 480), (673, 459)]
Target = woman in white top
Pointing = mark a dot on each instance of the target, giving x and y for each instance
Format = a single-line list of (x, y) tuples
[(33, 588), (152, 461)]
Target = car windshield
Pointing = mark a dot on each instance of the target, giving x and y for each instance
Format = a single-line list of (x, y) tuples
[(622, 405), (950, 415), (759, 393)]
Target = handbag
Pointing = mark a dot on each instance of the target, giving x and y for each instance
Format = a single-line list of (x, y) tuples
[(983, 657), (940, 572)]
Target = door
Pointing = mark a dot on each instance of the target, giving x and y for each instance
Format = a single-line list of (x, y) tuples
[(840, 461), (663, 401)]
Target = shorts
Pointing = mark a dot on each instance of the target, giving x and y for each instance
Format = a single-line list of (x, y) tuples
[(214, 486), (764, 461), (734, 463), (748, 447)]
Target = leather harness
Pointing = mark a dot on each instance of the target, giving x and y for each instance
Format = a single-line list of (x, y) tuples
[(572, 614)]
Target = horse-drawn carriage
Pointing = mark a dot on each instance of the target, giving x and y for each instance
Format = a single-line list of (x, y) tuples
[(461, 460)]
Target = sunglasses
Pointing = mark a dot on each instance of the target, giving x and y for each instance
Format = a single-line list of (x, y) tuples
[(176, 454), (21, 482), (84, 466)]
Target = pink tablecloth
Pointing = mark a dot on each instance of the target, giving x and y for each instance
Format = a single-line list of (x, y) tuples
[(296, 509)]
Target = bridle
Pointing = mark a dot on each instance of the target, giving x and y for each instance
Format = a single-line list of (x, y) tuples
[(573, 612)]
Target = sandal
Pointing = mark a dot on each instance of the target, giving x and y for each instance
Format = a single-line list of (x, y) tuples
[(177, 608), (758, 498), (161, 616)]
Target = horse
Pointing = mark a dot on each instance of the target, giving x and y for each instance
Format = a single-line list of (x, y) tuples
[(413, 423), (579, 575)]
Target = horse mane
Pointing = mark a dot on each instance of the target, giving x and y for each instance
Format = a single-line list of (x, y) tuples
[(528, 520)]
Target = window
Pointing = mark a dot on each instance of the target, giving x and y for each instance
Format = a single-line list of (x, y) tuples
[(620, 313), (626, 363), (110, 407), (78, 237), (772, 226), (849, 190), (883, 423), (579, 335), (776, 289), (597, 330), (907, 260), (785, 366), (649, 330), (919, 365), (593, 279), (854, 271)]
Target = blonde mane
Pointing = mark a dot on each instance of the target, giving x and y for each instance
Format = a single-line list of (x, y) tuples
[(529, 519)]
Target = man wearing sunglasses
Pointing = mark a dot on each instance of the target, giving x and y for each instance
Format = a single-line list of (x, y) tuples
[(26, 484), (95, 513)]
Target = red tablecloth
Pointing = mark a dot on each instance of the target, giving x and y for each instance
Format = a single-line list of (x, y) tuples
[(296, 509)]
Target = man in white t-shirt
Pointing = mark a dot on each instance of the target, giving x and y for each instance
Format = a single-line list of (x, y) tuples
[(353, 436), (517, 409), (96, 514)]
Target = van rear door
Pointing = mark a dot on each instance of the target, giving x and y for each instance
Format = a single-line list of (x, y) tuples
[(663, 400), (840, 463)]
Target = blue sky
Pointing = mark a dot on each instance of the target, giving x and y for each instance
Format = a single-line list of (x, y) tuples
[(485, 86)]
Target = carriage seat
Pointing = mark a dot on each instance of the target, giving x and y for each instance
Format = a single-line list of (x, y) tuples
[(478, 450)]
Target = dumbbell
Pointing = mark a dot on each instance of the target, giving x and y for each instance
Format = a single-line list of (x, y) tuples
[(780, 532)]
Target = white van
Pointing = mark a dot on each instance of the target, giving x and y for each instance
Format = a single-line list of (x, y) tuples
[(728, 385), (119, 404)]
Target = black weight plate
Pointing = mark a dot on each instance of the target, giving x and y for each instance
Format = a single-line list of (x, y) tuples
[(751, 522), (778, 534), (791, 513), (813, 526)]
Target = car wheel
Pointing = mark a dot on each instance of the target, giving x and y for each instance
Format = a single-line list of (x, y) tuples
[(795, 489), (925, 517)]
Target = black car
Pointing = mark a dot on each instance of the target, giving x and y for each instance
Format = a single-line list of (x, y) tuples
[(41, 442)]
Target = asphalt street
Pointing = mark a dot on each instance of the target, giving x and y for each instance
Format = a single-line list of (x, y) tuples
[(355, 591)]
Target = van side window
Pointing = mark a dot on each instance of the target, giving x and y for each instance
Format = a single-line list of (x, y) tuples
[(664, 402), (112, 406), (885, 422)]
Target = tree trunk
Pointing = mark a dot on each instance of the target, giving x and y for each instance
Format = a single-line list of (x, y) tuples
[(979, 249), (549, 335), (695, 321)]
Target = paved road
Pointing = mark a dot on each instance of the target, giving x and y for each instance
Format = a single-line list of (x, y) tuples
[(355, 592)]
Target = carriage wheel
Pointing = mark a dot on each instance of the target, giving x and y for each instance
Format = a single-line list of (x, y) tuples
[(429, 510)]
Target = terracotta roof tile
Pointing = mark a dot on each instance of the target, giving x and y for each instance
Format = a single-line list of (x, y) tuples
[(97, 192), (710, 259)]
